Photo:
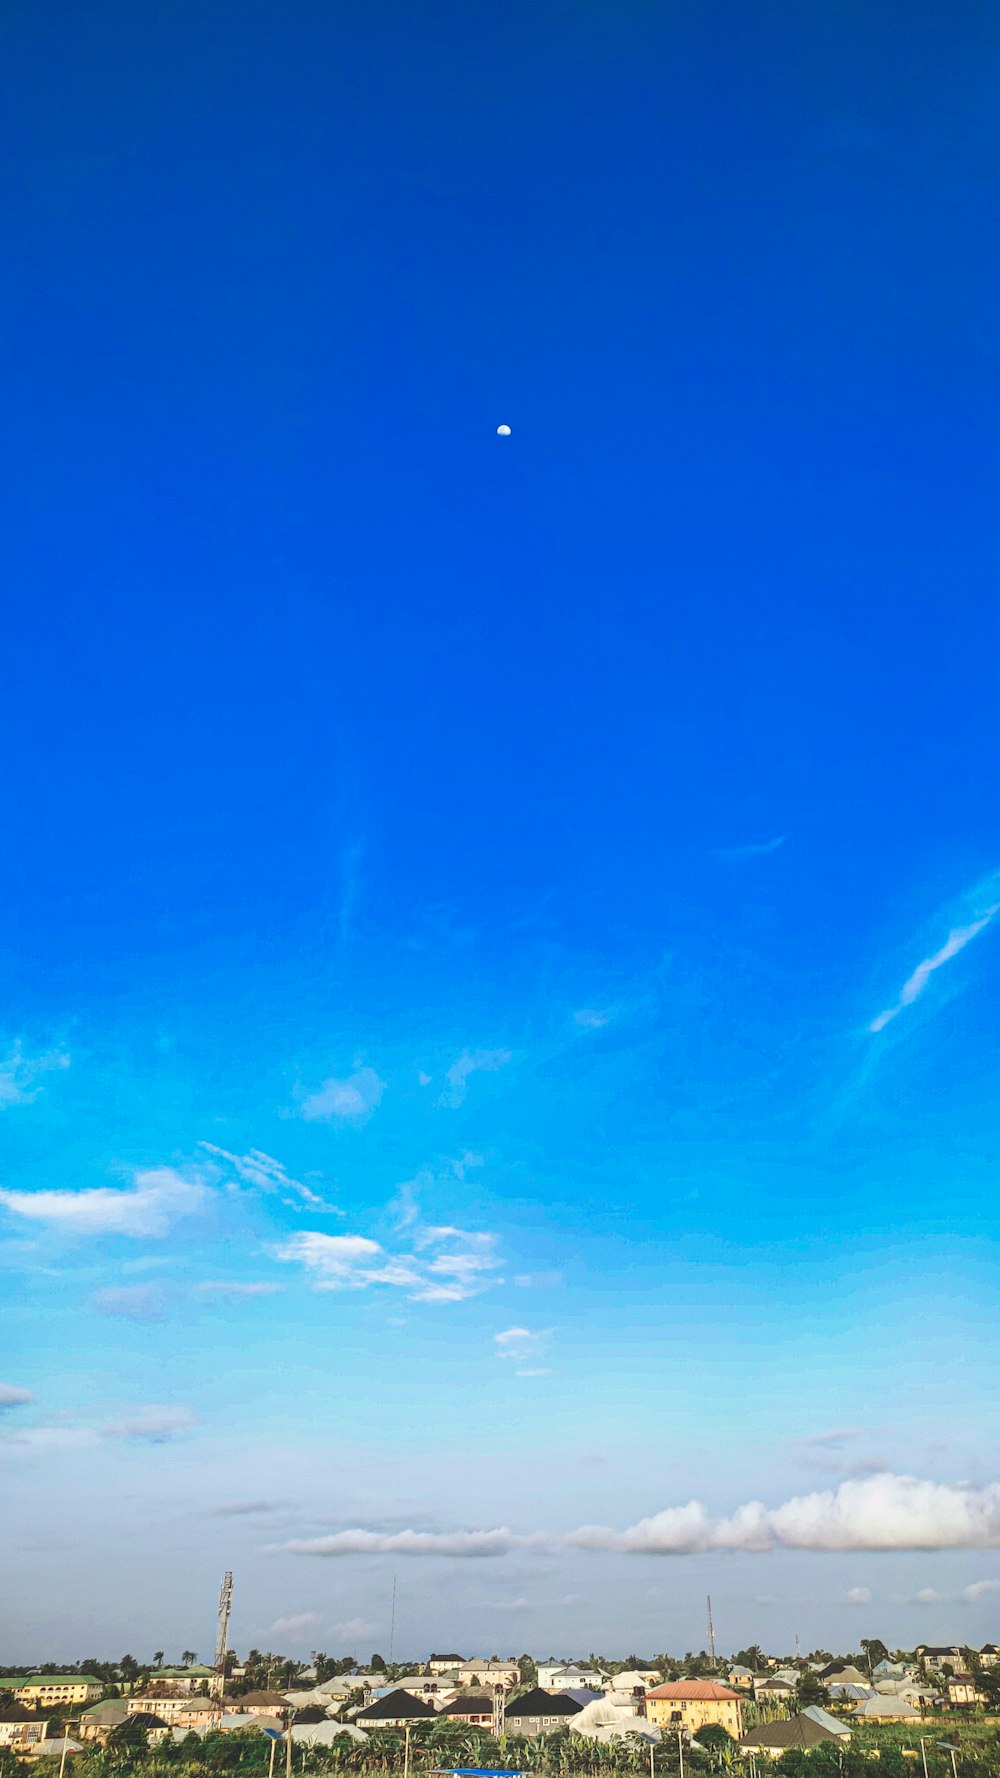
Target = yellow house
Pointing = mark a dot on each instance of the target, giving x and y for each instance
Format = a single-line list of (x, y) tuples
[(691, 1703), (42, 1691)]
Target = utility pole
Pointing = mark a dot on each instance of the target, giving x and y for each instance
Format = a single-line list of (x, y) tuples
[(288, 1745), (923, 1753), (711, 1631), (680, 1753)]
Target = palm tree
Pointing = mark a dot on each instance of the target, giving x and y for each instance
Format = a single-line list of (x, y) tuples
[(157, 1657), (188, 1657)]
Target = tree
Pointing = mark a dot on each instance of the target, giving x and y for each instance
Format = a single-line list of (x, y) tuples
[(158, 1657), (808, 1689), (527, 1671), (752, 1657), (128, 1668), (188, 1657), (376, 1664), (715, 1738), (875, 1651)]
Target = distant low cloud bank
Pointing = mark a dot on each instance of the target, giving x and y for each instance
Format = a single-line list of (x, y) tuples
[(880, 1512)]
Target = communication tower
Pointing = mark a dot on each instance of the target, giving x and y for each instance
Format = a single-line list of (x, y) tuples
[(711, 1631), (222, 1640)]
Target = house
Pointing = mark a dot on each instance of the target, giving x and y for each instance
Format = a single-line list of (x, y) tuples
[(773, 1687), (313, 1728), (153, 1727), (21, 1728), (475, 1708), (691, 1703), (395, 1710), (934, 1659), (989, 1655), (45, 1691), (184, 1679), (775, 1738), (60, 1747), (537, 1712), (583, 1695), (835, 1724), (97, 1723), (741, 1678), (841, 1673), (556, 1676), (963, 1692), (635, 1680), (891, 1670), (444, 1663), (432, 1689), (492, 1672), (179, 1710), (261, 1704), (882, 1708)]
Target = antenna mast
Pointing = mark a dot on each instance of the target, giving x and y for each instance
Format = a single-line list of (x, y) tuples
[(222, 1640), (711, 1630), (499, 1711), (392, 1621)]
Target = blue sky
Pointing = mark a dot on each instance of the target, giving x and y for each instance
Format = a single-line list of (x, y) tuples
[(499, 936)]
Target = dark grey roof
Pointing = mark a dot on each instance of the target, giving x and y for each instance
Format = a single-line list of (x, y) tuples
[(799, 1731), (470, 1704), (395, 1706), (539, 1703), (18, 1713), (312, 1713), (144, 1719)]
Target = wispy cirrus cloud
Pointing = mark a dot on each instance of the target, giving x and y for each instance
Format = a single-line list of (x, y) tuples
[(13, 1397), (350, 1100), (156, 1200), (885, 1512), (442, 1265), (468, 1063), (153, 1423), (136, 1302), (22, 1075), (265, 1174), (985, 905), (756, 849), (235, 1290)]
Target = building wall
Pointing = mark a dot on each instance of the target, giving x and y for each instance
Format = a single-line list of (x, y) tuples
[(694, 1713), (67, 1691)]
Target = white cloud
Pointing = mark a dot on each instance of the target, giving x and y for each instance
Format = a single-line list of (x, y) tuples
[(158, 1197), (914, 986), (470, 1062), (296, 1626), (265, 1174), (758, 849), (137, 1302), (448, 1264), (351, 1100), (980, 1589), (155, 1423), (13, 1397), (233, 1290), (883, 1512), (858, 1596), (46, 1441), (928, 1596), (522, 1344), (353, 1629), (591, 1018), (21, 1075)]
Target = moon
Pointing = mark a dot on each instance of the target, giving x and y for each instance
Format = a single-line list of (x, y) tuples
[(503, 431)]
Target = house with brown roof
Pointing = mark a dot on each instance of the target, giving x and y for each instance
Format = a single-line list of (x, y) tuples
[(21, 1728), (692, 1703), (475, 1708)]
